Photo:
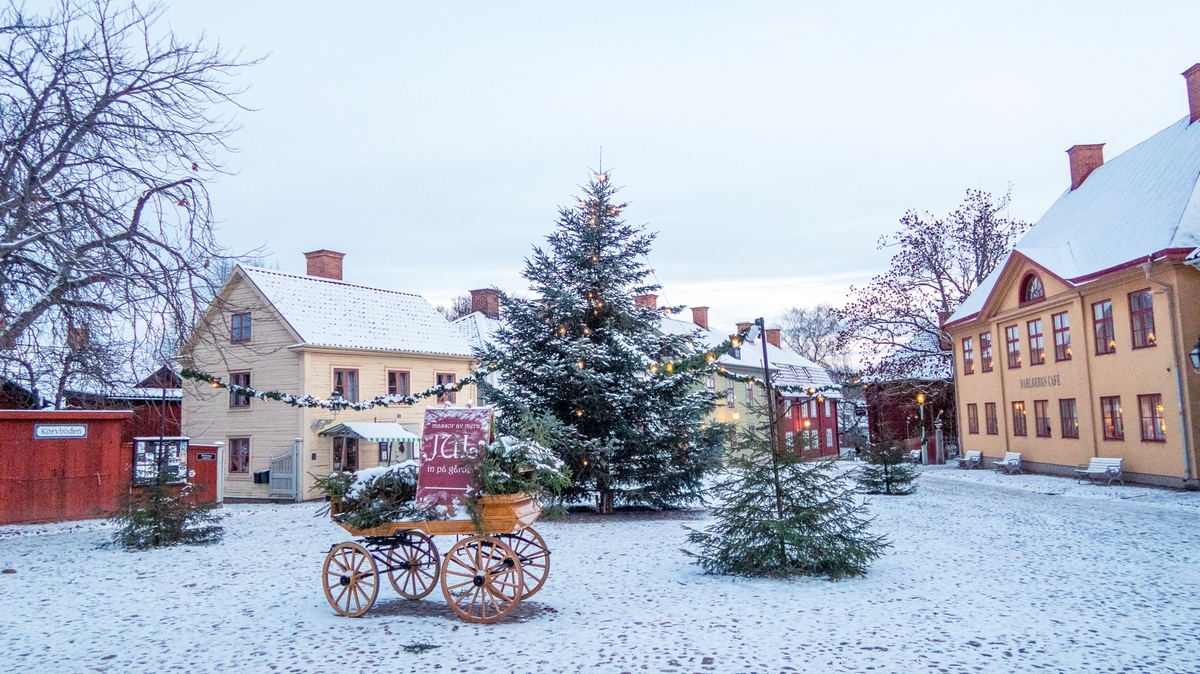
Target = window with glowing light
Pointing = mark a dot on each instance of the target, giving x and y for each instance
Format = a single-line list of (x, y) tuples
[(1102, 322), (1012, 337), (1153, 421), (1062, 336), (1018, 416), (1037, 350), (1141, 314), (985, 352), (1068, 417), (1111, 415), (968, 356)]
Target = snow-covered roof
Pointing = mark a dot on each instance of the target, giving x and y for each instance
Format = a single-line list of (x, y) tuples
[(325, 312), (1145, 200), (478, 328), (790, 367), (371, 432), (147, 394)]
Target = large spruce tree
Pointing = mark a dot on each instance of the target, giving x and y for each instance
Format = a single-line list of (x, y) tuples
[(583, 351)]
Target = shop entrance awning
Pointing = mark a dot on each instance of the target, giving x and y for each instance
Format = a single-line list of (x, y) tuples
[(370, 432)]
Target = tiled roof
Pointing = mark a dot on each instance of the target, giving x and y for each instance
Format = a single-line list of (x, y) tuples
[(325, 312), (1143, 201)]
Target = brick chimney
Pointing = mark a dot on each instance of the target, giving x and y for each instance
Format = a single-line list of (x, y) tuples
[(743, 326), (645, 301), (486, 301), (1084, 160), (1192, 75), (700, 316), (325, 263), (773, 337)]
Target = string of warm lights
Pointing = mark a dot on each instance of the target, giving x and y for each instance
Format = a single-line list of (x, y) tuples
[(336, 402)]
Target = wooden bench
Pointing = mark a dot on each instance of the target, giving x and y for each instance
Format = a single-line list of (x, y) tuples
[(1010, 464), (973, 459), (1101, 468)]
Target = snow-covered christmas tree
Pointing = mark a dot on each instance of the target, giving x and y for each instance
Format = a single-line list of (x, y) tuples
[(585, 352)]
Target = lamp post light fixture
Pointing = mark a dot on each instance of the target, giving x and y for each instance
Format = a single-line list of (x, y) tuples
[(924, 444)]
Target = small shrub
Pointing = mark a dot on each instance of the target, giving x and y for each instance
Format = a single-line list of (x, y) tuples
[(159, 514)]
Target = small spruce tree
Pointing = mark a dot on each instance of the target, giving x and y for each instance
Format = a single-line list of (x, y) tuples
[(888, 471), (157, 513), (779, 516)]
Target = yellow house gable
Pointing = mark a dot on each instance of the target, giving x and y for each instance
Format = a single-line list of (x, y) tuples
[(1019, 285)]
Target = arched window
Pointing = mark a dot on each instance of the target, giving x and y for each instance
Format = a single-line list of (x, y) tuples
[(1031, 289)]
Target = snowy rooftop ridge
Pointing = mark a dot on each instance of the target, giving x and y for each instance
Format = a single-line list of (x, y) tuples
[(479, 329), (326, 312), (1144, 201)]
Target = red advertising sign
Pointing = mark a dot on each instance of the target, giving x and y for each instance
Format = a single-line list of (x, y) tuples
[(452, 443)]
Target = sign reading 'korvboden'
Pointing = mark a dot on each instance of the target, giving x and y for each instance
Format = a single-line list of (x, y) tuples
[(59, 431)]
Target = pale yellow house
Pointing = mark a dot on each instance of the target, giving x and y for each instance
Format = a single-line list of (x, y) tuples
[(314, 335), (1079, 344)]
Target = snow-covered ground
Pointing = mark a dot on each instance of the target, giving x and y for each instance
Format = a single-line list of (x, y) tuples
[(988, 573)]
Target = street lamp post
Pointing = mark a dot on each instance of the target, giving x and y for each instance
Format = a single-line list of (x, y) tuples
[(924, 444)]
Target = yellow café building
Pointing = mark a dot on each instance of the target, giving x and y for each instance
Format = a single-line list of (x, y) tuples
[(1080, 344)]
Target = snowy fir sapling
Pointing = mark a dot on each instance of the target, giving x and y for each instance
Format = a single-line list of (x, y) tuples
[(583, 353), (778, 515), (888, 471), (161, 512)]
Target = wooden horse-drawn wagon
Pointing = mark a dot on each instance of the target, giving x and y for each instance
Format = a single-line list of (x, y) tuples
[(483, 577)]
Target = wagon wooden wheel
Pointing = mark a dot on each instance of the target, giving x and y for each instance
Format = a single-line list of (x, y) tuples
[(535, 558), (350, 579), (481, 579), (413, 565)]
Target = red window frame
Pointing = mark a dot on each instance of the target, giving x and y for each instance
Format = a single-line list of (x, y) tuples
[(1062, 336), (239, 399), (1012, 340), (972, 418), (1068, 416), (993, 423), (1102, 327), (239, 455), (447, 378), (1037, 343), (985, 352), (1041, 418), (398, 382), (710, 383), (1032, 289), (345, 383), (968, 356), (1019, 418), (1152, 418), (1141, 319), (239, 328), (1112, 418)]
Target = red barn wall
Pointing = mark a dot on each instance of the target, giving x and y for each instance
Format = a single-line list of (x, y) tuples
[(61, 479)]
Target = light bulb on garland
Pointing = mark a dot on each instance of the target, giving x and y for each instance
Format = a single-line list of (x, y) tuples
[(603, 177), (579, 364), (578, 413), (670, 367)]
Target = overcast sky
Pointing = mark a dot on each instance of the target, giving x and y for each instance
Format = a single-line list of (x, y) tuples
[(769, 144)]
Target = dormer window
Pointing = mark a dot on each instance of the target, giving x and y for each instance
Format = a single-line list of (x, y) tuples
[(1032, 289)]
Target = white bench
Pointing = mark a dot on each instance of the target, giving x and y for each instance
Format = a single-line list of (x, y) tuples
[(1101, 468), (1010, 464), (973, 459), (914, 456)]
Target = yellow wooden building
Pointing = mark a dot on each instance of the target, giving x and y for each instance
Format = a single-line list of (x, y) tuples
[(1079, 344), (314, 335)]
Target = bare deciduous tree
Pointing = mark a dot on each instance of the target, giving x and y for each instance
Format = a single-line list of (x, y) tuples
[(111, 127), (459, 306), (813, 333), (895, 320)]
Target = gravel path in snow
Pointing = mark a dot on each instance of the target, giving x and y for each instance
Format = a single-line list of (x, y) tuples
[(985, 575)]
